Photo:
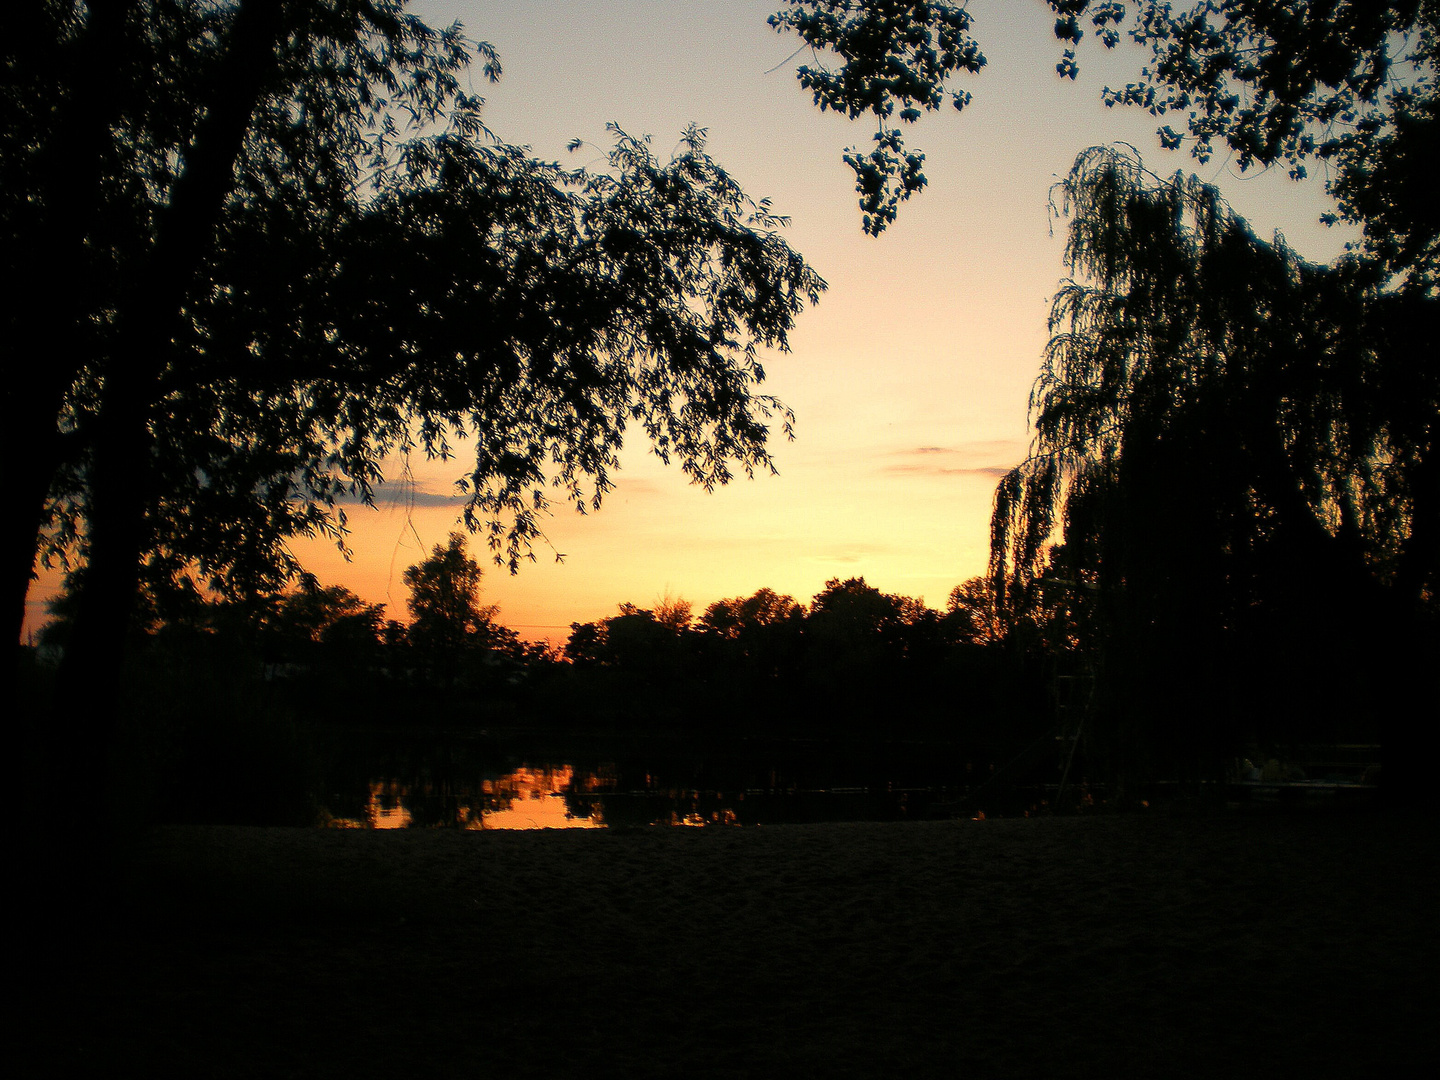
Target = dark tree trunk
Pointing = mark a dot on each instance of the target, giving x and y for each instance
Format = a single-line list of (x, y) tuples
[(149, 321), (53, 280), (35, 444), (121, 487)]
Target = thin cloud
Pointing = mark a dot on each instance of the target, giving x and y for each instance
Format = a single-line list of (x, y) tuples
[(851, 554), (625, 488), (426, 498), (393, 495), (996, 471), (979, 458)]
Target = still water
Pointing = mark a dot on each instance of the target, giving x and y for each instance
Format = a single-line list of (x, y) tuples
[(442, 787)]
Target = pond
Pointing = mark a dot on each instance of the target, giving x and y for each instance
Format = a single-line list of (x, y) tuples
[(476, 785)]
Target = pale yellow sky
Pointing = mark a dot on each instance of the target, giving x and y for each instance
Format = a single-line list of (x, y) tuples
[(910, 378)]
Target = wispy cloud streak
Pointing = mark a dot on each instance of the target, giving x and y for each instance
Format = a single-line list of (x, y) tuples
[(986, 458)]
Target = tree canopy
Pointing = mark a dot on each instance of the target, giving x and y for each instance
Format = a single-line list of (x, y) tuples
[(444, 601), (274, 243), (1182, 335), (1351, 85), (894, 54), (1237, 448), (448, 621), (1234, 466)]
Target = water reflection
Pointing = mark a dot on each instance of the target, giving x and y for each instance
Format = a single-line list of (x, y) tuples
[(547, 797), (386, 808), (567, 796), (538, 798)]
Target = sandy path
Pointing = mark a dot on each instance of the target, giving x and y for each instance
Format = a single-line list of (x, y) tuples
[(1133, 945)]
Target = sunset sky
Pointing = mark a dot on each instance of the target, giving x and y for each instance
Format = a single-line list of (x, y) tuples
[(910, 378)]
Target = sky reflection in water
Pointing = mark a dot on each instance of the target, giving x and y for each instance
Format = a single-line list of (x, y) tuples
[(560, 796), (525, 798)]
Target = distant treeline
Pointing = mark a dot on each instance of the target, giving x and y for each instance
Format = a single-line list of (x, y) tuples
[(854, 660), (1025, 677)]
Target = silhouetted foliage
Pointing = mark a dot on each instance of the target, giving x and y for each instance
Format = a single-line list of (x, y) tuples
[(737, 618), (634, 639), (1352, 85), (859, 662), (757, 638), (1237, 448), (1238, 485), (971, 615), (895, 54), (852, 627), (331, 615), (448, 622), (639, 665), (274, 243)]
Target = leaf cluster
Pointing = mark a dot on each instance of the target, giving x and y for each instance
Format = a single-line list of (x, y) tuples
[(384, 277), (1269, 82), (1210, 394), (1352, 86), (893, 53)]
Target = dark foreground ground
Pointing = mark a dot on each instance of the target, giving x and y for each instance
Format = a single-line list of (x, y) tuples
[(1130, 945)]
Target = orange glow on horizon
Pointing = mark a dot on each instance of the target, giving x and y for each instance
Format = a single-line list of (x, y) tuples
[(909, 379)]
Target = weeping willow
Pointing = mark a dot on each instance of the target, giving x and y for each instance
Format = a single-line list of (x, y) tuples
[(1232, 465)]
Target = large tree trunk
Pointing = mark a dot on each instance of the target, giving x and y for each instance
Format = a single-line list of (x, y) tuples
[(51, 269), (34, 443), (120, 480)]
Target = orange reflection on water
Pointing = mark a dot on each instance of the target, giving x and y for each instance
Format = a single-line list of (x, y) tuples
[(695, 819), (527, 798), (385, 810), (533, 799)]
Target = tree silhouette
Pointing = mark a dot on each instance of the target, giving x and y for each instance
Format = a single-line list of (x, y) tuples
[(275, 242), (895, 54), (863, 646), (1237, 448), (635, 640), (852, 610), (1270, 81), (321, 615), (448, 622), (970, 613), (674, 614), (1215, 438), (736, 617), (754, 648)]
